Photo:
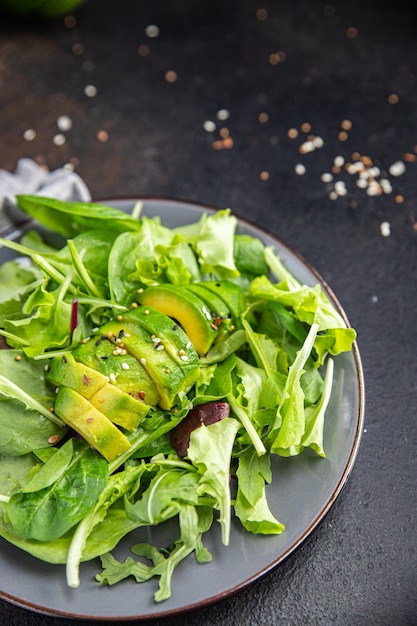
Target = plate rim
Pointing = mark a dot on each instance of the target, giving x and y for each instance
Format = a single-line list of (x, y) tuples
[(330, 500)]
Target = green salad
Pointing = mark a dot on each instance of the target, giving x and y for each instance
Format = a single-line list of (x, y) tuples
[(150, 374)]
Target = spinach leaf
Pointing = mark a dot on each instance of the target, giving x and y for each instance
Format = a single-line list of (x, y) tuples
[(25, 417), (71, 218), (50, 551), (48, 513), (13, 469), (249, 256)]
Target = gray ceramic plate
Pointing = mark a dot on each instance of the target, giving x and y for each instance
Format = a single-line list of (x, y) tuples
[(302, 491)]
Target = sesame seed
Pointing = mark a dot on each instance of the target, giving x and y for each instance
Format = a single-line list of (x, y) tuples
[(393, 98), (327, 177), (209, 126), (18, 358), (64, 123), (29, 134), (264, 175), (59, 139), (300, 169), (263, 118), (339, 161), (125, 366), (352, 32), (385, 185), (343, 136), (112, 377), (346, 125), (397, 168), (143, 361), (374, 188), (70, 21), (102, 136), (261, 15), (274, 58), (340, 188), (90, 91), (143, 50), (53, 439), (306, 127), (292, 133), (184, 357), (160, 347), (385, 229), (223, 114), (171, 76), (152, 31), (307, 146)]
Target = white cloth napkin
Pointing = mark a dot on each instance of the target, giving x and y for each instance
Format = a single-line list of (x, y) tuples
[(32, 179)]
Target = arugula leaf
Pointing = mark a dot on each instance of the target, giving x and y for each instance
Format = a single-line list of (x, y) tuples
[(251, 505), (194, 521), (210, 452)]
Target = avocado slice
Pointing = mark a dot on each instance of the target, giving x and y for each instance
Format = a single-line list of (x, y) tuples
[(65, 371), (168, 376), (167, 332), (124, 370), (231, 294), (187, 309), (118, 406), (220, 313), (90, 423)]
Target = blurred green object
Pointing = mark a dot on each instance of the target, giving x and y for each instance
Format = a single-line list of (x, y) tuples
[(40, 8)]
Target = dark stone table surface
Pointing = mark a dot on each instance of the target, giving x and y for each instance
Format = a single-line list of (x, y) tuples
[(269, 76)]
